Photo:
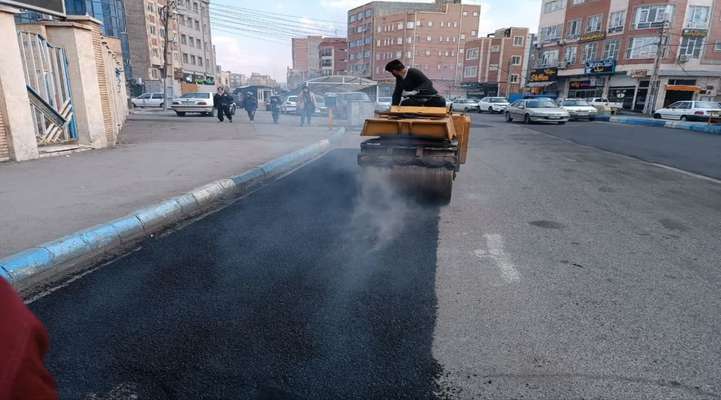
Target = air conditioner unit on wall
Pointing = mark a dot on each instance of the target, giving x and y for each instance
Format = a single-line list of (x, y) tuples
[(682, 58)]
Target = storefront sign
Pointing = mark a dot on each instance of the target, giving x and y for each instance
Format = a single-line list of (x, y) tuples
[(585, 84), (544, 75), (607, 66), (52, 7), (695, 32), (591, 37), (638, 73)]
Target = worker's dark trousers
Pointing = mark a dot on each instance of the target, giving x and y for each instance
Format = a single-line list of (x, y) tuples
[(436, 101)]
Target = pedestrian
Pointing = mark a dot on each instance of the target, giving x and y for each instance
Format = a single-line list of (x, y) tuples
[(222, 101), (251, 104), (275, 108), (306, 105), (23, 344)]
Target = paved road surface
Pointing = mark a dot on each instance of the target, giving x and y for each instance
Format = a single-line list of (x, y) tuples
[(558, 272), (695, 152)]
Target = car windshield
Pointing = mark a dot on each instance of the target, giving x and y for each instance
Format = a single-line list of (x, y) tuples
[(292, 98), (497, 100), (575, 103), (541, 104), (195, 96), (707, 104)]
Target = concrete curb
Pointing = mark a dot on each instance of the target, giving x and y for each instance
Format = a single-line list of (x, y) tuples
[(690, 126), (48, 261)]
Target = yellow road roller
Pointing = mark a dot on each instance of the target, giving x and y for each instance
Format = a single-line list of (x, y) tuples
[(420, 148)]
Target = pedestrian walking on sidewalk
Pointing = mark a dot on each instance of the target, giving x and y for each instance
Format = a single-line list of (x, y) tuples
[(275, 108), (222, 101), (306, 105), (251, 104)]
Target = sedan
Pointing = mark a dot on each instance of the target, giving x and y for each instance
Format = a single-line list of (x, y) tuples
[(579, 109), (464, 105), (493, 104), (290, 105), (689, 110), (383, 104), (198, 102), (148, 100), (537, 110)]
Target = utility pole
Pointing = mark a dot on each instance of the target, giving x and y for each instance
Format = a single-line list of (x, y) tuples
[(653, 84), (167, 12), (508, 78)]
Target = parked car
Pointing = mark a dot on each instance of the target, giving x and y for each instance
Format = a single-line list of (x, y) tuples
[(603, 105), (320, 107), (465, 105), (290, 105), (493, 104), (383, 104), (579, 109), (689, 110), (537, 110), (148, 100), (197, 102)]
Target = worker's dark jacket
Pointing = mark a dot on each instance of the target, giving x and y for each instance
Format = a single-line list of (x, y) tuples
[(414, 80)]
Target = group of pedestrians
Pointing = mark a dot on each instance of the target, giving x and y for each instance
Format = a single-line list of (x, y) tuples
[(223, 100)]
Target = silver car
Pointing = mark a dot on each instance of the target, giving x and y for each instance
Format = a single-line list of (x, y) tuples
[(537, 110), (579, 109), (200, 102), (383, 104)]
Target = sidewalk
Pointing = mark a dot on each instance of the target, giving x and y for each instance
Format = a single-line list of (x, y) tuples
[(703, 127), (159, 156)]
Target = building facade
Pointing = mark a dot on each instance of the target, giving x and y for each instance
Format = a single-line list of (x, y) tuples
[(194, 44), (257, 79), (306, 60), (428, 36), (146, 39), (333, 56), (237, 80), (590, 48), (497, 65)]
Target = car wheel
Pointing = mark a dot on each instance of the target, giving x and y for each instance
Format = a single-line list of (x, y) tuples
[(657, 116), (508, 117), (526, 119), (684, 118), (561, 122), (162, 105), (180, 113), (490, 110)]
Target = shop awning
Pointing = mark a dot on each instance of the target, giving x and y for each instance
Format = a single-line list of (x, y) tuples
[(683, 88), (539, 84)]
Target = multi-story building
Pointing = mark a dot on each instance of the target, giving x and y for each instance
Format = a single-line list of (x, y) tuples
[(306, 59), (590, 48), (257, 79), (496, 65), (236, 80), (428, 36), (333, 55), (194, 43), (146, 34)]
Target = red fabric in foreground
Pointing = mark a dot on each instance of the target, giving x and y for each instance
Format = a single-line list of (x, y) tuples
[(23, 344)]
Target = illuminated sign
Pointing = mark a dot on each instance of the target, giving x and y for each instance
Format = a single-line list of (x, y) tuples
[(591, 37), (607, 66), (695, 32), (52, 7), (544, 75)]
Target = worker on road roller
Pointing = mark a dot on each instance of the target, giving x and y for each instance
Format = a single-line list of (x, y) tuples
[(413, 84)]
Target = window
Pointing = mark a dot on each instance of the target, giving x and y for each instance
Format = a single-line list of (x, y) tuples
[(399, 40), (152, 29), (493, 67), (155, 52), (183, 39), (197, 25), (410, 25), (717, 46), (465, 13), (594, 23), (443, 24), (182, 19), (185, 58), (472, 54), (653, 16), (589, 51), (549, 57), (195, 6), (455, 24), (611, 49), (470, 71), (475, 13), (463, 36), (409, 39), (515, 60), (430, 24), (697, 17), (691, 46), (616, 21), (577, 2), (550, 33), (352, 18), (428, 38), (409, 54), (428, 52), (569, 56), (473, 33), (197, 44), (192, 41), (369, 12), (400, 26), (518, 41), (573, 31), (514, 78), (192, 59), (553, 5), (642, 47), (200, 61), (378, 43), (495, 49)]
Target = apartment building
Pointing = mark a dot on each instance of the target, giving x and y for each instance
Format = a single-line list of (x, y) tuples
[(428, 36), (608, 48), (306, 59), (195, 52), (497, 65), (237, 80), (333, 56), (146, 33)]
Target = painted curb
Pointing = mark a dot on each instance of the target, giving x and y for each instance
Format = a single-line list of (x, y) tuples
[(690, 126), (58, 256)]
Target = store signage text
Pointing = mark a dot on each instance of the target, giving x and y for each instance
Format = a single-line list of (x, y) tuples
[(544, 75), (591, 37), (607, 66)]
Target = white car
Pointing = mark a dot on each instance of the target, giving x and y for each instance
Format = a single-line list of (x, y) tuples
[(537, 110), (148, 100), (579, 109), (465, 105), (603, 105), (689, 110), (493, 104), (383, 104), (290, 105), (197, 102)]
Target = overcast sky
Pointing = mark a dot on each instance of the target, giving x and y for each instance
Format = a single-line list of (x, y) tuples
[(246, 55)]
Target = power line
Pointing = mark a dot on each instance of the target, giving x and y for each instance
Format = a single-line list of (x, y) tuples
[(270, 28), (247, 31), (271, 13)]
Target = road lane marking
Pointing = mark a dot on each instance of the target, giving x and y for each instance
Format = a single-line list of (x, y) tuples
[(496, 252)]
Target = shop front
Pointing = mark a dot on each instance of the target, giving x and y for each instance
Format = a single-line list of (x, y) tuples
[(622, 88), (543, 82)]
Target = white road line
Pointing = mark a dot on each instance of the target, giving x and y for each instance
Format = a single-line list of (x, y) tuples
[(494, 243)]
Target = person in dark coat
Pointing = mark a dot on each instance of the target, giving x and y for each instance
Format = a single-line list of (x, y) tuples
[(250, 104), (306, 105), (222, 101), (414, 85)]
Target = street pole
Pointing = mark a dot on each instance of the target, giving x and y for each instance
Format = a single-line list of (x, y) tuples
[(508, 78), (653, 84), (166, 13)]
